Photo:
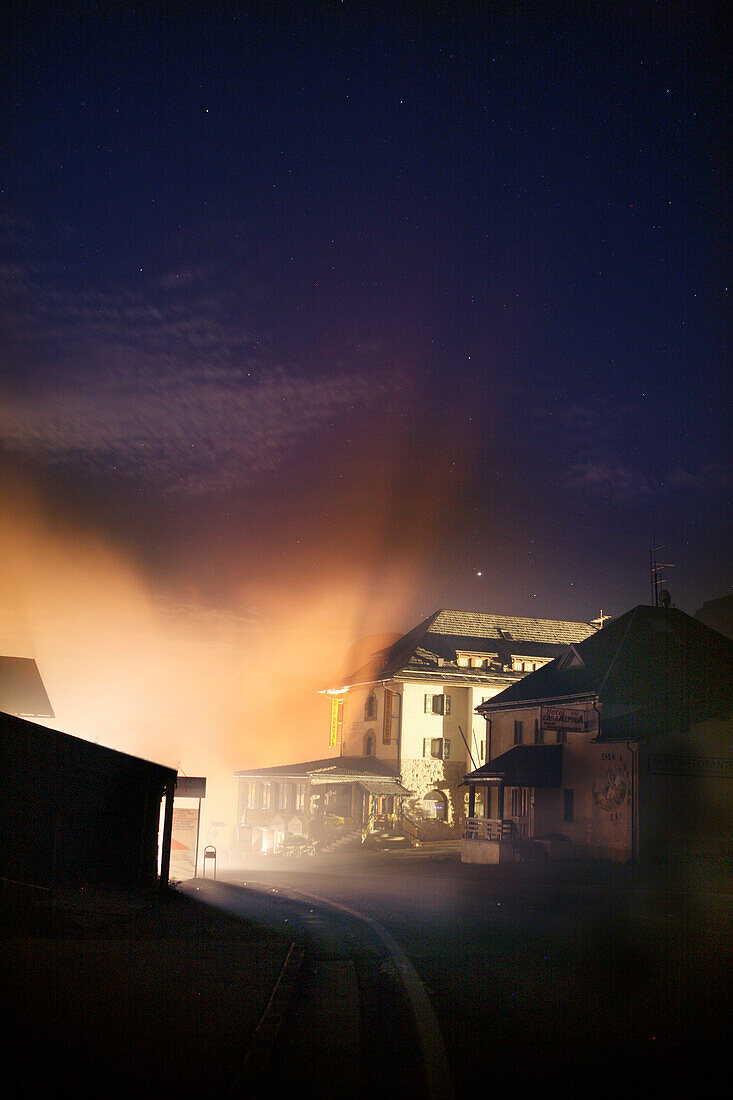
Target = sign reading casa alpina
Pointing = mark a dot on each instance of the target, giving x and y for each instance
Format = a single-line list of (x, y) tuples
[(563, 718)]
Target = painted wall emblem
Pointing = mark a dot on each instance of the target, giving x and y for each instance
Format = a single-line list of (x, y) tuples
[(611, 784)]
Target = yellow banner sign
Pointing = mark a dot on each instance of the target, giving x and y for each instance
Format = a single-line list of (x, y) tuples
[(387, 724), (333, 739)]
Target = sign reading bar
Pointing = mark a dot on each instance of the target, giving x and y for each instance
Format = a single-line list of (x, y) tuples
[(563, 718), (335, 707), (387, 725)]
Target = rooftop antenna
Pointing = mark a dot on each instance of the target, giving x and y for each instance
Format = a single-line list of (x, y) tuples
[(656, 567)]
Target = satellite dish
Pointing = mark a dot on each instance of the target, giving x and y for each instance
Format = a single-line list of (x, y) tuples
[(664, 598)]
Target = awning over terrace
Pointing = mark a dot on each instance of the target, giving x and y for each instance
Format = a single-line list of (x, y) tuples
[(384, 787), (521, 766)]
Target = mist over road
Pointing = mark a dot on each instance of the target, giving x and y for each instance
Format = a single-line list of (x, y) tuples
[(594, 976)]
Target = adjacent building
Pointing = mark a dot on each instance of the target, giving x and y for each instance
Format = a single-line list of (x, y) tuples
[(328, 800), (22, 691), (620, 747)]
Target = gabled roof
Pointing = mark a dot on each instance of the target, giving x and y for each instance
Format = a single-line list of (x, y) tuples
[(21, 689), (651, 658), (432, 647)]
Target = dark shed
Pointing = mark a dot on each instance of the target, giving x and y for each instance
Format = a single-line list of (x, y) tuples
[(78, 812)]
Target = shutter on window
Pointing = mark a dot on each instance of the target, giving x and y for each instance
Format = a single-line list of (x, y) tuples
[(447, 704), (426, 742), (446, 748), (428, 704)]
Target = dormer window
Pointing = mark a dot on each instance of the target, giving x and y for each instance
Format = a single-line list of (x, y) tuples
[(370, 707), (570, 659)]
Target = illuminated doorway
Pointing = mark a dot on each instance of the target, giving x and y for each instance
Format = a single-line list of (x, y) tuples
[(435, 805)]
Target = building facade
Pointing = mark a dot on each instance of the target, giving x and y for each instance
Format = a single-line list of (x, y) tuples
[(621, 748), (413, 706)]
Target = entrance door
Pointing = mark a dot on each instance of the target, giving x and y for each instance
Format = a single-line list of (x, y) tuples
[(521, 803)]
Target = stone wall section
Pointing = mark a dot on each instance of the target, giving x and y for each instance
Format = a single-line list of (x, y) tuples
[(427, 774)]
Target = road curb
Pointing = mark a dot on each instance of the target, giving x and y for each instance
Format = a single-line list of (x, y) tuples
[(439, 1082), (265, 1035)]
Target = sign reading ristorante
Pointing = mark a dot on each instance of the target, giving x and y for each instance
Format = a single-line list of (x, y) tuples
[(563, 718)]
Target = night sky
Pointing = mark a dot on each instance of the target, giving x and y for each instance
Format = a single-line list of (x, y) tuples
[(369, 308)]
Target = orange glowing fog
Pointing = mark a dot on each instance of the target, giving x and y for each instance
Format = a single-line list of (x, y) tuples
[(207, 691)]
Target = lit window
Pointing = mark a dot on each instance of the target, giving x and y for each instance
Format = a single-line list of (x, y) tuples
[(299, 796), (266, 796)]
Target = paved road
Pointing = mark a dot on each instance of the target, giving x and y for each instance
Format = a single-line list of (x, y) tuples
[(554, 979), (348, 1016)]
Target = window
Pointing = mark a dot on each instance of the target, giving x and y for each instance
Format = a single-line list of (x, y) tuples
[(370, 707), (299, 797), (539, 733), (370, 743), (568, 804), (282, 796), (437, 704), (518, 733), (561, 736), (437, 747), (266, 796), (251, 795)]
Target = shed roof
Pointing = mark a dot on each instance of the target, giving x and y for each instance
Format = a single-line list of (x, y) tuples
[(522, 766)]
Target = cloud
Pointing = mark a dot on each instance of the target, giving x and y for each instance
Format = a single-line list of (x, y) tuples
[(166, 387), (198, 430), (604, 478)]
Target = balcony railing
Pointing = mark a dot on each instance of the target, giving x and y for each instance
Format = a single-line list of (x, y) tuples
[(488, 828)]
